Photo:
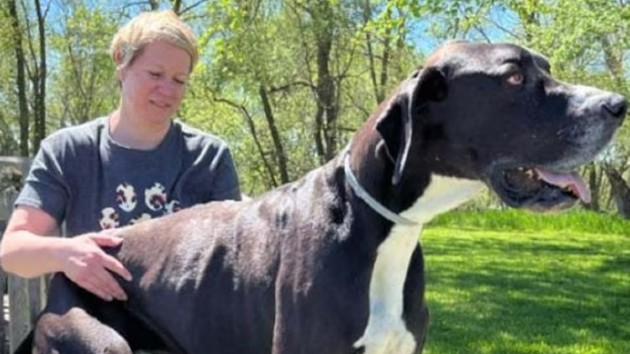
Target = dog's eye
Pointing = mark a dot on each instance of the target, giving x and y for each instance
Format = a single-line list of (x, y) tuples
[(515, 78)]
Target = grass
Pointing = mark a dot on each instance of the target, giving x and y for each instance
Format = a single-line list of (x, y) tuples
[(515, 220), (514, 282)]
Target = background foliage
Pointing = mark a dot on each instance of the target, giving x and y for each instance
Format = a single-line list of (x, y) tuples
[(287, 82)]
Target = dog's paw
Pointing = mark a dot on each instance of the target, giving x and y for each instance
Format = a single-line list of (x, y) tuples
[(385, 336)]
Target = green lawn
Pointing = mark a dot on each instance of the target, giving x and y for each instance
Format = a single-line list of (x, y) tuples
[(558, 285)]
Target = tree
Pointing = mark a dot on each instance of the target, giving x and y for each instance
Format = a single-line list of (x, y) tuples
[(20, 75), (286, 83), (298, 114), (620, 191), (37, 72), (83, 84)]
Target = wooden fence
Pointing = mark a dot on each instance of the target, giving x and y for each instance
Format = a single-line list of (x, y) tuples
[(22, 302), (22, 299)]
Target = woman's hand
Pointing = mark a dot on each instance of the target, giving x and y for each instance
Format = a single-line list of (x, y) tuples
[(86, 264)]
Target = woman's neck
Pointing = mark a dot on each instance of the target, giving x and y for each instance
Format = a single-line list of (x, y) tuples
[(134, 133)]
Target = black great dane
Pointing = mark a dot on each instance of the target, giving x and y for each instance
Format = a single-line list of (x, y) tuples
[(331, 263)]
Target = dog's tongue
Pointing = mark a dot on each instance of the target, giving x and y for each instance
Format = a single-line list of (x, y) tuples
[(567, 180)]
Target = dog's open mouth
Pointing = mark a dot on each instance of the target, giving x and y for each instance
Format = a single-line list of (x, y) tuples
[(539, 189)]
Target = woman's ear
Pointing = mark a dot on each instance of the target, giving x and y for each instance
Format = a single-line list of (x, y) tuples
[(395, 125), (118, 59)]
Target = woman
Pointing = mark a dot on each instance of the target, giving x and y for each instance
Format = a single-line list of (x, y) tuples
[(135, 164)]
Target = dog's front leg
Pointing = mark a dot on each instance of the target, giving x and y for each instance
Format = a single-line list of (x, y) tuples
[(76, 332)]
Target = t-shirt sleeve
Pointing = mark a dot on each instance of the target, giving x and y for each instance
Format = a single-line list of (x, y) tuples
[(225, 181), (45, 187)]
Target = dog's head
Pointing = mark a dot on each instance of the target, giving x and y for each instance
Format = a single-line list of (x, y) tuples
[(493, 112)]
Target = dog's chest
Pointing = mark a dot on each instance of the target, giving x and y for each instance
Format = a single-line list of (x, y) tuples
[(386, 331)]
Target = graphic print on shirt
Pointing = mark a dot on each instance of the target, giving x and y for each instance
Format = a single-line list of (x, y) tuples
[(126, 197), (155, 198), (128, 210), (109, 218), (172, 206)]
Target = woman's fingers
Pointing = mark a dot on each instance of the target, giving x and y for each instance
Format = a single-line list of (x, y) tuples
[(106, 239), (89, 266), (94, 288), (106, 283), (97, 280), (115, 266)]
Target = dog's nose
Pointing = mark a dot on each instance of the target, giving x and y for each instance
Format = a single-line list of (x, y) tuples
[(615, 106)]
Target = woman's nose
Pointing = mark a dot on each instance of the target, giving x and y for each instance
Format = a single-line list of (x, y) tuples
[(169, 87)]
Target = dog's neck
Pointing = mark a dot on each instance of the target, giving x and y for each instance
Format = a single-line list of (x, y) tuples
[(362, 194), (441, 195), (419, 196)]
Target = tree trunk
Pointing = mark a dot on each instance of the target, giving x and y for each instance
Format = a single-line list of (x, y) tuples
[(38, 79), (378, 87), (177, 6), (620, 190), (20, 78), (281, 156), (325, 87), (594, 184), (252, 130)]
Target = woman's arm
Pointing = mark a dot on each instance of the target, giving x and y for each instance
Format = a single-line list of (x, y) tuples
[(29, 249)]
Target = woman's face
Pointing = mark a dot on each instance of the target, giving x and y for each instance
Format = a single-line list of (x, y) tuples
[(153, 85)]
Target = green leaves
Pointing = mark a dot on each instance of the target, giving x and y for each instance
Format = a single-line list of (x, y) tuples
[(83, 84), (287, 82)]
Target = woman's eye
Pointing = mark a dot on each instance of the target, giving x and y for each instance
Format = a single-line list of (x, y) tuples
[(154, 74), (515, 79), (180, 82)]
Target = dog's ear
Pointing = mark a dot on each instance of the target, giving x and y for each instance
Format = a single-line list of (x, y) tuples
[(395, 124)]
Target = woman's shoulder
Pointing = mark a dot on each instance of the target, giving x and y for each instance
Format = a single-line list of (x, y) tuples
[(74, 139), (84, 133), (197, 138)]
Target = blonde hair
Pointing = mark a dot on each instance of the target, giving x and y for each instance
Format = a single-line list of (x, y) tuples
[(147, 27)]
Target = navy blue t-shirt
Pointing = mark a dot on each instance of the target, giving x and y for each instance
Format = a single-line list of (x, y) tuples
[(82, 177)]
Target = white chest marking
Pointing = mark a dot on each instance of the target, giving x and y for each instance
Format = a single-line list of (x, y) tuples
[(386, 331)]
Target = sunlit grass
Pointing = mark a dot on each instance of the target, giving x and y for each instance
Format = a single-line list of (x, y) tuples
[(542, 288), (511, 219)]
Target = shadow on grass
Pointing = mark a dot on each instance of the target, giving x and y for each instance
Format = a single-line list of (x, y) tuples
[(617, 262), (491, 294)]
